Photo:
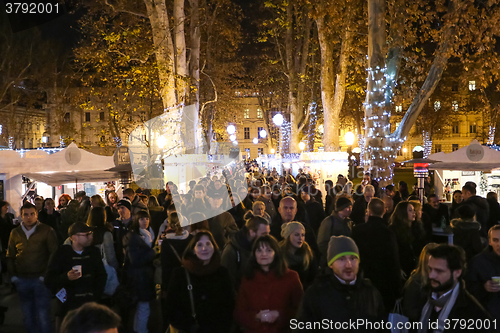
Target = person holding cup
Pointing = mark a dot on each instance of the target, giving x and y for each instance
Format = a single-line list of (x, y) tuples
[(76, 274), (483, 278), (270, 293)]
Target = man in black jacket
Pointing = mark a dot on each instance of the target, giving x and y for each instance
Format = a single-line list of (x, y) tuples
[(449, 302), (479, 204), (483, 278), (287, 213), (379, 249), (76, 274), (239, 249), (437, 211), (360, 205), (342, 297)]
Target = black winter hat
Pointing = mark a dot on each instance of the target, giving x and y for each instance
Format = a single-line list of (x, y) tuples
[(342, 203)]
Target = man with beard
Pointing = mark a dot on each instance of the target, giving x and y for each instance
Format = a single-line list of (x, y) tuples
[(343, 296), (448, 300)]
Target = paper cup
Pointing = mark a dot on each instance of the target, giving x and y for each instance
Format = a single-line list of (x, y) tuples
[(496, 279), (78, 268)]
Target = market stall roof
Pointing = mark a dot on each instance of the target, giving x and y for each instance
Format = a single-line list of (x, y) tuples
[(69, 165), (473, 157)]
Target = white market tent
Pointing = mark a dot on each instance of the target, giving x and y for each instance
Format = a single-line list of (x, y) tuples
[(69, 165), (473, 157)]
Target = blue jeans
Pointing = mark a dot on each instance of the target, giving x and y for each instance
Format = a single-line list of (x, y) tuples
[(35, 304), (141, 317)]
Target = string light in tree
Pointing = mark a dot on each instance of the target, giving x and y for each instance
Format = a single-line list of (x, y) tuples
[(491, 135), (427, 143)]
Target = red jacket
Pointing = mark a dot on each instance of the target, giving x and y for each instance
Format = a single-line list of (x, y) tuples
[(268, 292)]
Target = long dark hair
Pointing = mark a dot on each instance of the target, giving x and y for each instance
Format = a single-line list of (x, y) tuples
[(189, 252), (135, 226), (400, 224), (278, 266)]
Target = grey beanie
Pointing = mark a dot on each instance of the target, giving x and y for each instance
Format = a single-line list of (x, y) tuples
[(341, 246), (289, 228)]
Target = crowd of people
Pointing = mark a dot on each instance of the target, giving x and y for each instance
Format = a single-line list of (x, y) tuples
[(250, 250)]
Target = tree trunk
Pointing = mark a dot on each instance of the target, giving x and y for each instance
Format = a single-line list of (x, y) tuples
[(194, 72), (158, 17), (181, 68)]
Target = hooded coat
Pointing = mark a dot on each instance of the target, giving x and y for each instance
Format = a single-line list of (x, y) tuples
[(466, 234), (482, 210)]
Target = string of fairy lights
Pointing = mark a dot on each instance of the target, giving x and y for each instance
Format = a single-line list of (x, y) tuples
[(380, 145), (491, 135), (426, 136)]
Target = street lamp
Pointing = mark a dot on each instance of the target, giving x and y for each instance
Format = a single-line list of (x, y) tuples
[(231, 129), (302, 145), (255, 140), (232, 137), (273, 151), (263, 134), (161, 141), (349, 140), (278, 119)]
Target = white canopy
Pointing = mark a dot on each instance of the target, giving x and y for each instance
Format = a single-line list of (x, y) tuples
[(69, 165), (473, 157)]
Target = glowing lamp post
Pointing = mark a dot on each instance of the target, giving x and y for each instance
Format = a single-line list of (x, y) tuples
[(302, 146), (278, 121), (349, 140)]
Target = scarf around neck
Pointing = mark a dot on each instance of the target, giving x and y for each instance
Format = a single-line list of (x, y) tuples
[(447, 302)]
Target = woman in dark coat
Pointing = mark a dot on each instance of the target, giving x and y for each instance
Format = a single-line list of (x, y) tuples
[(270, 293), (213, 296), (139, 256), (173, 244), (297, 253), (158, 214), (404, 224)]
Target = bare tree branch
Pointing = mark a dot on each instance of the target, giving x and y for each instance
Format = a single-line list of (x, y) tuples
[(124, 10)]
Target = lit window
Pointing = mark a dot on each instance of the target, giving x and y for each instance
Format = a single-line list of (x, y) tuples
[(399, 108), (473, 128), (246, 114), (259, 114), (454, 106), (437, 105), (472, 85)]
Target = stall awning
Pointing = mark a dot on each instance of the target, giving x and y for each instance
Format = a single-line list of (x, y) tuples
[(473, 157), (66, 166)]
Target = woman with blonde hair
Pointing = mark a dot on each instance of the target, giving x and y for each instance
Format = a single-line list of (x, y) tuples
[(297, 253), (258, 209), (414, 292)]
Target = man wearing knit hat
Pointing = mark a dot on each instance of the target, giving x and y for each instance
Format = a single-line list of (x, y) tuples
[(344, 296), (337, 224)]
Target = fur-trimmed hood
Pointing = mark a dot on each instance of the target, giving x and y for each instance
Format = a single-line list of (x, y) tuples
[(465, 224)]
